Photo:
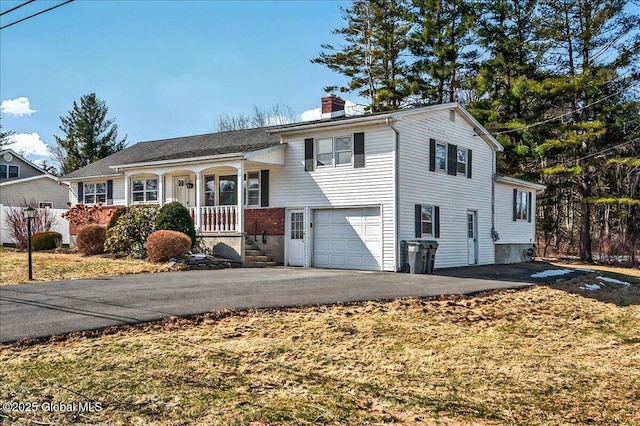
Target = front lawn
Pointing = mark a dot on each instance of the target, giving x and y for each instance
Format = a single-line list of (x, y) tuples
[(65, 266), (535, 356)]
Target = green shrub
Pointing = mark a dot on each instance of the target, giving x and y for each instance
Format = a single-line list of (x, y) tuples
[(164, 245), (128, 237), (90, 239), (175, 217), (46, 240), (115, 216)]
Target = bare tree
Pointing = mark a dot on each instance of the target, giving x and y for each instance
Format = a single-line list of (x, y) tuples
[(277, 115), (43, 221)]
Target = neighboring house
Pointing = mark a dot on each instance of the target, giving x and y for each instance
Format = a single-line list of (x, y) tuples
[(21, 180), (340, 192)]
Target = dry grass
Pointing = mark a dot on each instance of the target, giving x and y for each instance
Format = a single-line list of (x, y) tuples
[(536, 356), (617, 270), (65, 266)]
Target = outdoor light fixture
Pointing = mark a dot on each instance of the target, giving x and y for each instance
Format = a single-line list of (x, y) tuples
[(189, 185), (29, 213)]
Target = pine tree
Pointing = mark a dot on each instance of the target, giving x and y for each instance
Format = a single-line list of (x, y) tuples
[(442, 44), (590, 41), (376, 40), (88, 135)]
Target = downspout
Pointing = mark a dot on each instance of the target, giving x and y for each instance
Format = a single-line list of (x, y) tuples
[(494, 233), (396, 194)]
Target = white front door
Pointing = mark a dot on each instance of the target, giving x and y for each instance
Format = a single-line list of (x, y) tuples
[(180, 190), (295, 238), (472, 239)]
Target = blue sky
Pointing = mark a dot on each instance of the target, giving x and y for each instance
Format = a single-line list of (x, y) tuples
[(165, 68)]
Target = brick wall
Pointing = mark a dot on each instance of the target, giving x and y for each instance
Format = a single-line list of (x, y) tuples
[(103, 218), (269, 220)]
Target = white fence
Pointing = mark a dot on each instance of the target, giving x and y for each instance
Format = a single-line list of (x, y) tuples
[(61, 225)]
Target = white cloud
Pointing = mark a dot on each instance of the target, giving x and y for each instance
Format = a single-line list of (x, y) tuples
[(17, 107), (28, 144), (350, 107)]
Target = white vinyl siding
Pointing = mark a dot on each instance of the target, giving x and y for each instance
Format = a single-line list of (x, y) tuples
[(293, 187), (510, 231), (454, 195), (118, 190)]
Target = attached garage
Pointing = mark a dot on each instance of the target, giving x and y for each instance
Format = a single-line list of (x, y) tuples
[(347, 238)]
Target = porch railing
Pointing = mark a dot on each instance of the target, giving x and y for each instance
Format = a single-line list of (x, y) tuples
[(216, 218)]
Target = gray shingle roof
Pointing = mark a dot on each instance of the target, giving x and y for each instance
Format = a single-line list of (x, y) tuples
[(238, 141)]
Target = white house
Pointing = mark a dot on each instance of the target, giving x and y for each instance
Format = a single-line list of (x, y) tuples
[(339, 192)]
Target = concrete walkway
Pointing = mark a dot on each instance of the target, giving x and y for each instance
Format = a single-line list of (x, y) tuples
[(46, 309)]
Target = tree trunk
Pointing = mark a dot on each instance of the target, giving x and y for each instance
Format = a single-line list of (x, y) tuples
[(585, 222)]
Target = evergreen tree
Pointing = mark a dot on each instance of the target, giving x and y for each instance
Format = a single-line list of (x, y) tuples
[(376, 40), (442, 45), (4, 136), (590, 41), (88, 135)]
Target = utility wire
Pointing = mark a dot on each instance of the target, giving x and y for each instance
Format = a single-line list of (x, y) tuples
[(17, 7), (36, 14), (567, 113)]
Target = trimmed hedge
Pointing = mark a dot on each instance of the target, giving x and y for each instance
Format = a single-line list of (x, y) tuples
[(45, 240), (90, 239), (175, 217), (164, 245)]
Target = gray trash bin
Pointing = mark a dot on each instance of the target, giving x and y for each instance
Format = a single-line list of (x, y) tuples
[(415, 257), (428, 250)]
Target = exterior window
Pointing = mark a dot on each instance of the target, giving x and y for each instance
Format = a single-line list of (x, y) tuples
[(45, 204), (334, 151), (252, 196), (144, 190), (9, 171), (427, 220), (324, 156), (95, 193), (297, 226), (462, 161), (227, 190), (522, 207), (344, 148), (441, 157), (209, 190)]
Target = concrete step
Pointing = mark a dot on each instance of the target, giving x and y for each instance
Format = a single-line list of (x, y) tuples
[(257, 258), (254, 252), (259, 264)]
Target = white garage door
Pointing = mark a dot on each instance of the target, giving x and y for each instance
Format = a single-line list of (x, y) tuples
[(347, 239)]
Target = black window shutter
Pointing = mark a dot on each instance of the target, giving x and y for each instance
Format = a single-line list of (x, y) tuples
[(418, 221), (469, 158), (80, 192), (308, 155), (529, 200), (436, 221), (358, 150), (515, 204), (264, 188), (110, 192), (452, 160), (432, 155)]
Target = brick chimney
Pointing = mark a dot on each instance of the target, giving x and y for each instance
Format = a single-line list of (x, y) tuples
[(332, 106)]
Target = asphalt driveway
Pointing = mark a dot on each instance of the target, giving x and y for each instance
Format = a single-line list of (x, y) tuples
[(45, 309)]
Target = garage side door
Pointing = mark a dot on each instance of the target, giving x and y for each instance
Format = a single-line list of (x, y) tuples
[(347, 239)]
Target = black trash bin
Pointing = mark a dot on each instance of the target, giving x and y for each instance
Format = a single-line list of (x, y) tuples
[(428, 249)]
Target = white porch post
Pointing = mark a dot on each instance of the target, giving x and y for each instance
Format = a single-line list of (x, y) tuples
[(198, 222), (127, 190), (161, 196), (240, 188)]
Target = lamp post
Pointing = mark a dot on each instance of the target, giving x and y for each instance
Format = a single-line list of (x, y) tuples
[(29, 214)]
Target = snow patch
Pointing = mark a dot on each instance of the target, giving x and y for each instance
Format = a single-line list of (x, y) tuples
[(614, 281), (552, 273), (590, 287)]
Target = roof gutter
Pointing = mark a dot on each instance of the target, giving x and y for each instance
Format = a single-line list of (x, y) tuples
[(235, 155), (330, 123)]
